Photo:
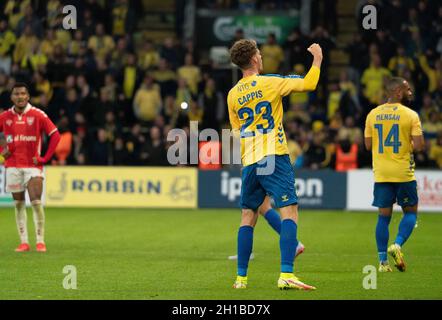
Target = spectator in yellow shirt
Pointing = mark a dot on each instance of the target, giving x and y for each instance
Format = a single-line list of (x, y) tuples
[(400, 62), (53, 9), (15, 10), (195, 112), (334, 100), (36, 60), (110, 88), (183, 94), (119, 55), (25, 44), (433, 126), (43, 88), (63, 36), (350, 132), (272, 55), (336, 122), (373, 80), (165, 77), (436, 150), (7, 42), (148, 57), (120, 14), (49, 42), (147, 102), (434, 74), (100, 43), (76, 44), (191, 73), (130, 76), (428, 107)]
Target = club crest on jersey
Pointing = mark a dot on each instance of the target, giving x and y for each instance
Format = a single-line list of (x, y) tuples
[(30, 120), (9, 122)]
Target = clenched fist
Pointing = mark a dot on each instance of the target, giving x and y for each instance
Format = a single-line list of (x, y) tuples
[(316, 50)]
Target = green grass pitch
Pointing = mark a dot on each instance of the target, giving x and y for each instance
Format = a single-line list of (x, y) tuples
[(182, 254)]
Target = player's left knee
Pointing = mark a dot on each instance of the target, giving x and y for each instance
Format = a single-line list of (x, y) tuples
[(409, 209), (36, 202)]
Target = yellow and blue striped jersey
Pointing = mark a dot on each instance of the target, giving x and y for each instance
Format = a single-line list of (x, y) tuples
[(391, 127), (255, 110)]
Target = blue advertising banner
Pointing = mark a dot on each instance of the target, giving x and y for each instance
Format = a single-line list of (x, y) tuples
[(219, 189), (316, 189)]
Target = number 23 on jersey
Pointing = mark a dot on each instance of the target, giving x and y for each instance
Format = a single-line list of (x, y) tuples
[(263, 108)]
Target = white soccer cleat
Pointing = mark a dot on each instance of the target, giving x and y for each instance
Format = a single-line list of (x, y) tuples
[(299, 249), (235, 257)]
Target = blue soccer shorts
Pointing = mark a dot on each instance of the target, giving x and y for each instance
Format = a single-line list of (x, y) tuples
[(388, 193), (279, 184)]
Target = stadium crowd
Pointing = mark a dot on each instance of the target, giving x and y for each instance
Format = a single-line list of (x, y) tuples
[(115, 99)]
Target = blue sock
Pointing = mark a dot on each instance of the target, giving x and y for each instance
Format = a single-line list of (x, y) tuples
[(288, 244), (406, 227), (245, 244), (382, 236), (274, 220)]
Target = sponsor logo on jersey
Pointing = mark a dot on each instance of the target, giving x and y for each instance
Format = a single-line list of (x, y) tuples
[(23, 138)]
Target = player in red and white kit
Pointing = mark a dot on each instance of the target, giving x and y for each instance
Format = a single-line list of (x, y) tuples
[(21, 131)]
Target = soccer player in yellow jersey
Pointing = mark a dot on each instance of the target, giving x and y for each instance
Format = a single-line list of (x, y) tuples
[(255, 111), (392, 132)]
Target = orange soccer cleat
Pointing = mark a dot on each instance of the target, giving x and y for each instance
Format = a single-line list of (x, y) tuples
[(41, 247), (23, 247)]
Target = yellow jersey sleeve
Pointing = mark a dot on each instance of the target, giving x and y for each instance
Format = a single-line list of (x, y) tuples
[(233, 117), (368, 133), (288, 84), (311, 79), (416, 127)]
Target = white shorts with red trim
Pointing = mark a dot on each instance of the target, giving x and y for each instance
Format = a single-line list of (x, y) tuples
[(17, 179)]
